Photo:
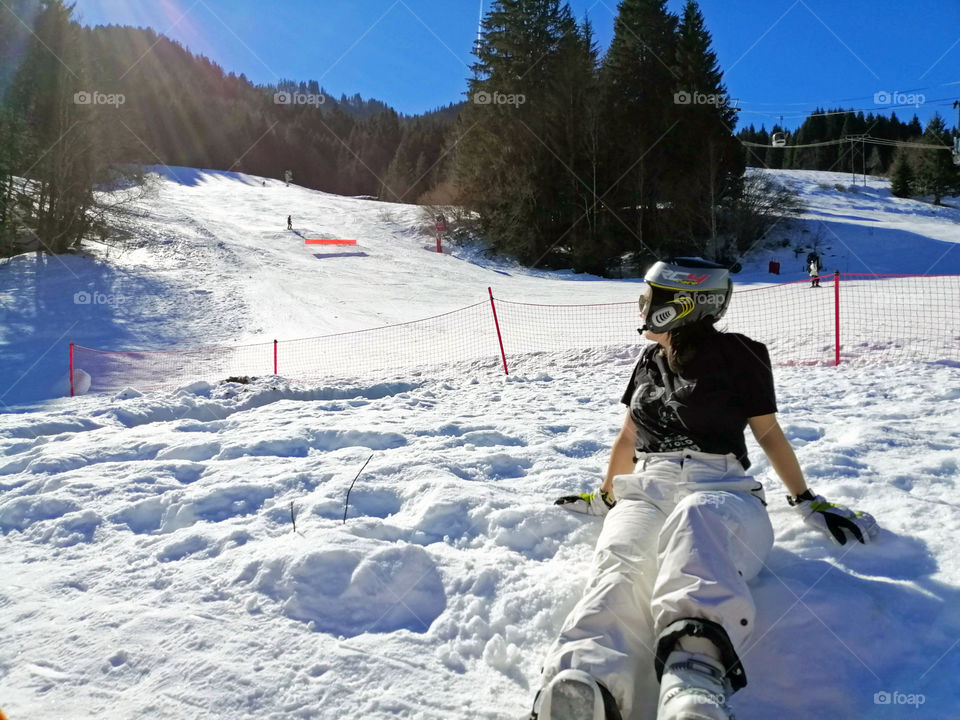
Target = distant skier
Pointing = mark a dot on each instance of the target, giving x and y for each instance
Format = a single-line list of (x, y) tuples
[(666, 613), (289, 222), (813, 268)]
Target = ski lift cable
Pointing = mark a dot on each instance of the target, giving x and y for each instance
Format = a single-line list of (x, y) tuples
[(865, 139), (820, 103), (806, 145), (899, 143), (939, 102)]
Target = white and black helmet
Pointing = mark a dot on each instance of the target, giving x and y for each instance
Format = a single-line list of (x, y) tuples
[(682, 291)]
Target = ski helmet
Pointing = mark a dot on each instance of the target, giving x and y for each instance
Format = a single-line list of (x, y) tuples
[(682, 291)]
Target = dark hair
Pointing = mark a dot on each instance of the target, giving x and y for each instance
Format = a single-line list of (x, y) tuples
[(686, 341)]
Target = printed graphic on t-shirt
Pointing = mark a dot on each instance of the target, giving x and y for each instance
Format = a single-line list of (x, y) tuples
[(650, 401), (706, 408)]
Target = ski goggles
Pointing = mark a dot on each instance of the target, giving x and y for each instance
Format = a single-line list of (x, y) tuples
[(645, 299)]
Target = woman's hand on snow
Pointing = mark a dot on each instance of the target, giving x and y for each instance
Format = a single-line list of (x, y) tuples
[(835, 521), (596, 503)]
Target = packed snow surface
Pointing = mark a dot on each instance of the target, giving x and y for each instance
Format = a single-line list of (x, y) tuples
[(194, 554)]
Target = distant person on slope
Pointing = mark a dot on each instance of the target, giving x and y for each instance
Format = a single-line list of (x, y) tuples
[(289, 222), (813, 268), (814, 271), (666, 611)]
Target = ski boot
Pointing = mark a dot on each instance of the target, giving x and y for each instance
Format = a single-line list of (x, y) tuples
[(693, 688), (574, 695)]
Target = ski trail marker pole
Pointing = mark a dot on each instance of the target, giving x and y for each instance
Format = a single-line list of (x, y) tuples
[(499, 336), (836, 316)]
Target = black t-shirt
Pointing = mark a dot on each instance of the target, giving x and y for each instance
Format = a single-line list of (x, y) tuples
[(707, 408)]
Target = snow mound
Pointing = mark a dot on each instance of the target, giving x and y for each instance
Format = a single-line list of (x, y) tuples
[(348, 592)]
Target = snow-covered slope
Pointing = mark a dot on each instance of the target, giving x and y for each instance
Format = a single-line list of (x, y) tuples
[(864, 229), (209, 261), (147, 548)]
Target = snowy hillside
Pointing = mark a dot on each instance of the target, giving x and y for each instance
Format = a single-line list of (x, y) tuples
[(209, 261), (147, 547), (865, 229)]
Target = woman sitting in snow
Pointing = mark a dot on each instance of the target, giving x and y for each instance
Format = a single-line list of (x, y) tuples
[(666, 611)]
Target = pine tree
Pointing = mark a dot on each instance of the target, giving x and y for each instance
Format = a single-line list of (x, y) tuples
[(12, 133), (936, 174), (13, 35), (61, 148), (913, 130), (14, 217), (579, 146), (753, 157), (708, 163), (875, 161), (799, 156), (520, 158), (902, 180), (637, 85), (774, 157)]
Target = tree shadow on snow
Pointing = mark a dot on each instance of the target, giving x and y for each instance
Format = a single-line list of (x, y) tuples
[(191, 177), (47, 302), (858, 249)]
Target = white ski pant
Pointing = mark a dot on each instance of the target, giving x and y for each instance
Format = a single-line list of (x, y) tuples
[(688, 531)]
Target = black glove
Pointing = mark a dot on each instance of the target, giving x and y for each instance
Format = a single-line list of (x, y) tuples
[(834, 520), (597, 503)]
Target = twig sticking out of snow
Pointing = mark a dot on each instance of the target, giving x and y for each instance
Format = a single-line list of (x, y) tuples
[(346, 505)]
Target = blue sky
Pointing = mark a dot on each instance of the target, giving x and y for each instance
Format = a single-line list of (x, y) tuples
[(780, 57)]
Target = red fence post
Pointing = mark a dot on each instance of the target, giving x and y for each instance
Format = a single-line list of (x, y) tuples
[(836, 315), (499, 337), (71, 369), (274, 357)]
